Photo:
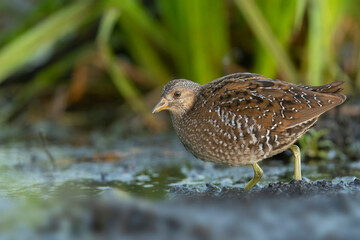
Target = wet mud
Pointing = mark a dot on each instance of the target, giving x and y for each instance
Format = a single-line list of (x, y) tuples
[(114, 185)]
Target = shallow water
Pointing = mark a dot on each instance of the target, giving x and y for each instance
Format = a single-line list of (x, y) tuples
[(33, 189), (146, 166)]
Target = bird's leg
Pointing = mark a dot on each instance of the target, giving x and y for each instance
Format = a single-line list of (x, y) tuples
[(258, 172), (297, 161)]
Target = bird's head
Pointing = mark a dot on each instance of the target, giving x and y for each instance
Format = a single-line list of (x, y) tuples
[(178, 97)]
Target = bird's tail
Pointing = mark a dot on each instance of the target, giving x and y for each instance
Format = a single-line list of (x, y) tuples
[(332, 88)]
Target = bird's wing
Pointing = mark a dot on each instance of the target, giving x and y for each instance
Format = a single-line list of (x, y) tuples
[(275, 104)]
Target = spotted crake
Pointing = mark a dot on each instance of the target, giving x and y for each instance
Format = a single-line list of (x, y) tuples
[(243, 118)]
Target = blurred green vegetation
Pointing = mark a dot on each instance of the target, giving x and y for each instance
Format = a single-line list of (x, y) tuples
[(313, 145), (137, 46)]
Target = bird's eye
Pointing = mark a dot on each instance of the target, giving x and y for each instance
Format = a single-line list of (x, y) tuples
[(177, 94)]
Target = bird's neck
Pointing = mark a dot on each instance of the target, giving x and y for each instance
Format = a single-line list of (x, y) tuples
[(176, 118), (179, 124)]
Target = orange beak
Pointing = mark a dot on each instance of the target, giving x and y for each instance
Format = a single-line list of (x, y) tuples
[(162, 105)]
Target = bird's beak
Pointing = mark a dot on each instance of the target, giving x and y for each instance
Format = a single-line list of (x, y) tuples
[(162, 105)]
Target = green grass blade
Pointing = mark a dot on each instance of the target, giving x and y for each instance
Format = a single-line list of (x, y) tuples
[(141, 20), (315, 44), (200, 32), (261, 29), (282, 30), (24, 21), (30, 44), (107, 25), (46, 78), (124, 85), (145, 55), (172, 14), (299, 14)]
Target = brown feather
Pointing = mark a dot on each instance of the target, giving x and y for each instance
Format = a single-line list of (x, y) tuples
[(243, 118), (290, 104)]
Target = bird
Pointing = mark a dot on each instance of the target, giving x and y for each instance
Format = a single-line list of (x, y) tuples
[(244, 118)]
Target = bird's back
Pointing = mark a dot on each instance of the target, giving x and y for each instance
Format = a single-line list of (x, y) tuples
[(244, 118)]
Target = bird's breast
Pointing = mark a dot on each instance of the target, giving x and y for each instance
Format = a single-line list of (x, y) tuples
[(222, 139)]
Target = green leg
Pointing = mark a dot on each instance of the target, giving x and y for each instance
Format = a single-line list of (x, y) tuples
[(258, 172), (297, 161)]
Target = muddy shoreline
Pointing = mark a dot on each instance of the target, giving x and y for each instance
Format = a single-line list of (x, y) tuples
[(296, 210), (146, 186)]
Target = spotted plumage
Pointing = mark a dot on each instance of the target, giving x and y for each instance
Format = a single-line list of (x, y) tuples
[(243, 118)]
